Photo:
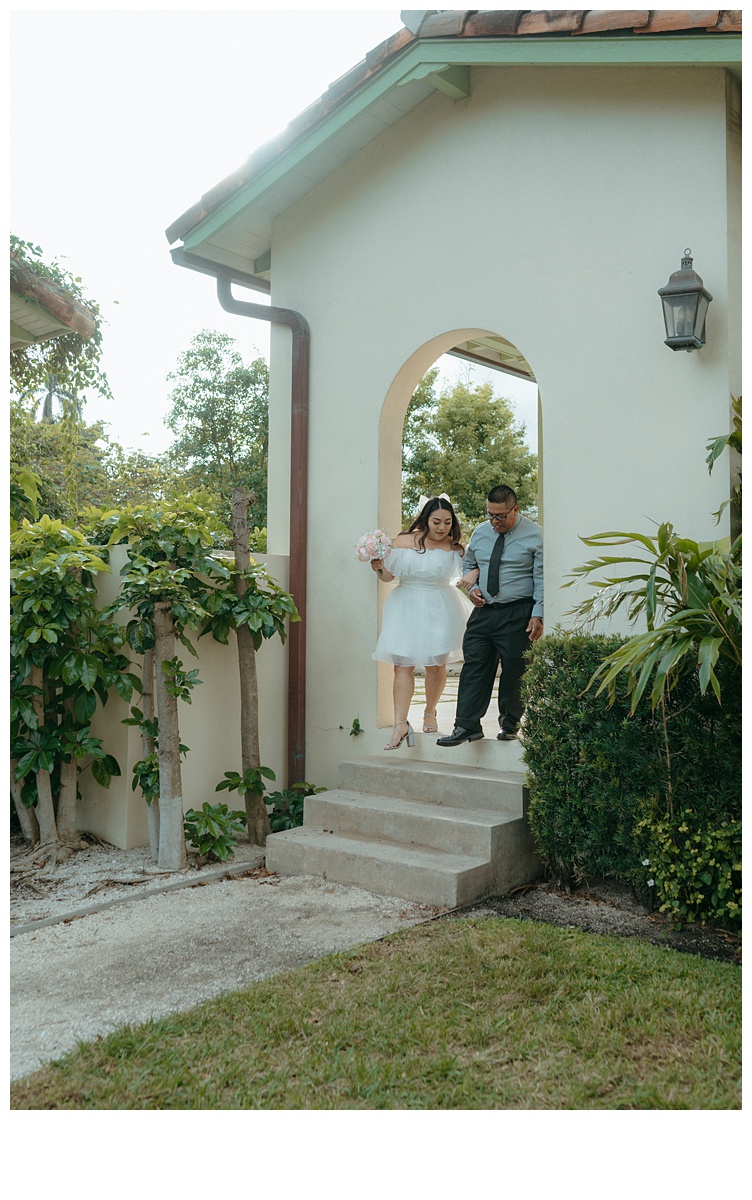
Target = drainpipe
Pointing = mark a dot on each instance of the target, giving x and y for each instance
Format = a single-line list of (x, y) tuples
[(301, 338)]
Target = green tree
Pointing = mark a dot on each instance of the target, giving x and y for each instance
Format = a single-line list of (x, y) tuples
[(55, 450), (65, 654), (104, 474), (464, 443), (165, 586), (219, 416)]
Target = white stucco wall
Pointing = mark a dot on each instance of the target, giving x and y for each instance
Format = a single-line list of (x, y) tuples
[(548, 208)]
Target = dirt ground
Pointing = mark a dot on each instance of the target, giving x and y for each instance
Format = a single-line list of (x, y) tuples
[(607, 907)]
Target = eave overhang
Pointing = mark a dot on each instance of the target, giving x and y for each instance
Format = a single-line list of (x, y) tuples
[(40, 310), (232, 224)]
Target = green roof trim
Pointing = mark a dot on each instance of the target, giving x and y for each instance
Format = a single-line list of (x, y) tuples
[(448, 62)]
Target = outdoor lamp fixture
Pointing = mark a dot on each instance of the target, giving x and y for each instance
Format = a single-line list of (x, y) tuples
[(685, 307)]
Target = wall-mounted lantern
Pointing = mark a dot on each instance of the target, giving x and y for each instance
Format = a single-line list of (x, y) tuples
[(685, 307)]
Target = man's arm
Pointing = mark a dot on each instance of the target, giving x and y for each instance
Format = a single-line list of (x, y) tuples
[(471, 575), (535, 624)]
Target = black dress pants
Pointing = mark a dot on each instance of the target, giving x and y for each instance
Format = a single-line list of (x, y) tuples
[(495, 634)]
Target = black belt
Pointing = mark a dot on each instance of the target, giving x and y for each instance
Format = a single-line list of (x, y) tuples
[(507, 603)]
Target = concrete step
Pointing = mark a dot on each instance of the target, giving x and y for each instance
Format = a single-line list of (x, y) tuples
[(440, 783), (408, 822), (445, 834), (423, 875)]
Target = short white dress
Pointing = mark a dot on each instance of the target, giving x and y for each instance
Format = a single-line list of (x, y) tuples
[(425, 615)]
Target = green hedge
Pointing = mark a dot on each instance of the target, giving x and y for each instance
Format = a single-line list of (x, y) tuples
[(607, 789)]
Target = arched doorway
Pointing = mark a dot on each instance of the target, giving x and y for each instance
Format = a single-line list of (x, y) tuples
[(482, 347)]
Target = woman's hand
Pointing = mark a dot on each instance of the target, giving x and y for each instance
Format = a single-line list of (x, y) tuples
[(377, 565), (469, 580)]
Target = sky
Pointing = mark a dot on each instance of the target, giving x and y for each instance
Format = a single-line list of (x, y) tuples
[(120, 122)]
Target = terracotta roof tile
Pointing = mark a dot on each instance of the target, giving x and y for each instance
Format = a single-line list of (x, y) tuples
[(729, 21), (604, 20), (392, 45), (450, 23), (556, 21), (669, 21), (493, 24)]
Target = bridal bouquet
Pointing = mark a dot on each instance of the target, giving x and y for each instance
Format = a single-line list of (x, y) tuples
[(373, 545)]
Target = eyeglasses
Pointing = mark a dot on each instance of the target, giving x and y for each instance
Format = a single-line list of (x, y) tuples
[(501, 516)]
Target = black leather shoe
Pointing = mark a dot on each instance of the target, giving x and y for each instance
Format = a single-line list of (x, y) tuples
[(458, 736), (506, 736)]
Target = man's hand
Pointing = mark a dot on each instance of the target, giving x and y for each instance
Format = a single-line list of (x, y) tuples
[(476, 597), (534, 629)]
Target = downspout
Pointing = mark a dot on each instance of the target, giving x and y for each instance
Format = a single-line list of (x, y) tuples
[(301, 338)]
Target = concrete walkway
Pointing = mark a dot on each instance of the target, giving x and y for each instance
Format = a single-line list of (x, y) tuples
[(145, 958)]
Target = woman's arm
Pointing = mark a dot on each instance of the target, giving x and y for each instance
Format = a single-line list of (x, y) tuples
[(469, 579), (377, 565)]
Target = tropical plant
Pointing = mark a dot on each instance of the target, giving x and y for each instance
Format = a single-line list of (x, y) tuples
[(165, 583), (255, 607), (715, 448), (689, 594), (251, 781), (690, 597), (212, 830), (286, 806), (65, 655)]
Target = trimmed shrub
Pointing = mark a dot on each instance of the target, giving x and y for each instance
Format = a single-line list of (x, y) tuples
[(608, 791), (590, 778)]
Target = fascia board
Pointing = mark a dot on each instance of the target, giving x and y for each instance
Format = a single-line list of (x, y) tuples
[(420, 59)]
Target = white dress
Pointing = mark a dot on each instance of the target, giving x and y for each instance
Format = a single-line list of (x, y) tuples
[(425, 615)]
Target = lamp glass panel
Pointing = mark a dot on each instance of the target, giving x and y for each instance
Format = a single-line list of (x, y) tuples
[(702, 312), (680, 312)]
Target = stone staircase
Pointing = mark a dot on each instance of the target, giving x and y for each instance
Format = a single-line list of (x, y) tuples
[(436, 833)]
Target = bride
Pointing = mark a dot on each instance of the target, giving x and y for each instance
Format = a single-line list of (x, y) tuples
[(425, 616)]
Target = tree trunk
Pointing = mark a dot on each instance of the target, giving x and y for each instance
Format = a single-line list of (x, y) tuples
[(147, 747), (172, 855), (45, 809), (250, 753), (67, 826), (26, 816)]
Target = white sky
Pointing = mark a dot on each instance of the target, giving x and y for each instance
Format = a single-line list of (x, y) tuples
[(120, 121)]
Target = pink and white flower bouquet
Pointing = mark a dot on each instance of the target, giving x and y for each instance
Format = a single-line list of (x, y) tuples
[(373, 545)]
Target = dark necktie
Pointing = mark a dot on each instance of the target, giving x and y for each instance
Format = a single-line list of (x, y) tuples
[(492, 585)]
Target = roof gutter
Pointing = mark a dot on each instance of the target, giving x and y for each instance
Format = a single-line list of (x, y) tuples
[(301, 338)]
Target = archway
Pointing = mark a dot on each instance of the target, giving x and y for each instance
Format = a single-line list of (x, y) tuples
[(479, 346)]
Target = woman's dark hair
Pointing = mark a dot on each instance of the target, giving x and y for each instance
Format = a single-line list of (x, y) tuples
[(421, 523)]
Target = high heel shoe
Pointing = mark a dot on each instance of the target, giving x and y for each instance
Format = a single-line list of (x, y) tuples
[(396, 742), (430, 722)]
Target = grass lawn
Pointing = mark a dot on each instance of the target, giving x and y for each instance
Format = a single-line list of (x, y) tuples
[(458, 1014)]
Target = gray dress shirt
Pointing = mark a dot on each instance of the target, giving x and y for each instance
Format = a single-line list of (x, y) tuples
[(521, 566)]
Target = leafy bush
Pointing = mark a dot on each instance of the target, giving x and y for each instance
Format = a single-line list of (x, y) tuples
[(695, 868), (600, 779), (589, 773), (212, 831), (286, 811)]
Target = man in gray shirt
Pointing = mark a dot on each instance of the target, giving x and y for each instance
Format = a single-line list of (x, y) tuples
[(507, 550)]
